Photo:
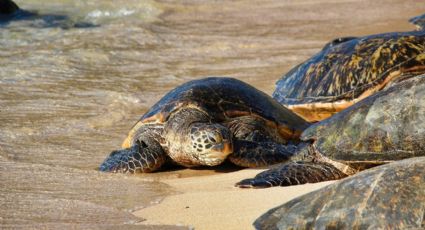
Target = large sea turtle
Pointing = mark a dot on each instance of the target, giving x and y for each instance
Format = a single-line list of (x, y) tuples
[(203, 122), (385, 127), (350, 69), (391, 196)]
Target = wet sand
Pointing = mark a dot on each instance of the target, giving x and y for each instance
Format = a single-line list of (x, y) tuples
[(35, 196)]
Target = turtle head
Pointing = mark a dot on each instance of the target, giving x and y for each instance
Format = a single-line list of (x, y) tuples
[(210, 144)]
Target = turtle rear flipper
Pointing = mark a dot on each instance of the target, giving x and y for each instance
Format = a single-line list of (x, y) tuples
[(293, 173), (141, 157)]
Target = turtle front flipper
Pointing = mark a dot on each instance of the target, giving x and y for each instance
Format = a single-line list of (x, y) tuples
[(293, 173), (258, 154), (257, 142), (144, 156)]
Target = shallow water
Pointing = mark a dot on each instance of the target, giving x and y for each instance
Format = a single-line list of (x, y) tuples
[(76, 76)]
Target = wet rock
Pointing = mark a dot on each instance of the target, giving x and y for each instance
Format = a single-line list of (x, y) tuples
[(8, 7)]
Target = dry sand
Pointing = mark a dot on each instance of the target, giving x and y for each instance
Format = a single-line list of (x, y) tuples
[(212, 202)]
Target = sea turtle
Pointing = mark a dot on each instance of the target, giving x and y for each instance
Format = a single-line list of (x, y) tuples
[(350, 69), (384, 127), (391, 196), (203, 122)]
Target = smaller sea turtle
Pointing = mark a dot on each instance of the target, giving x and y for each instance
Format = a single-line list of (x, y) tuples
[(205, 121), (350, 69), (385, 127), (391, 196)]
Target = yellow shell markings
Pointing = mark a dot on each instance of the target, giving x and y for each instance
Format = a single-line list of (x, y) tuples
[(378, 77), (376, 55), (156, 119), (130, 136)]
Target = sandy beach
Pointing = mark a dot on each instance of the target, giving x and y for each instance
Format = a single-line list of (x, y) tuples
[(212, 202)]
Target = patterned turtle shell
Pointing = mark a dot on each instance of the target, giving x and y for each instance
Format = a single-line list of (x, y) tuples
[(350, 69)]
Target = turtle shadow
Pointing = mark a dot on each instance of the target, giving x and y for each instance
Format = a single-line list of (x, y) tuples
[(172, 171), (225, 167)]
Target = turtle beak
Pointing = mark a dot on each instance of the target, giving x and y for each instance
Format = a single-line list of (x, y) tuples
[(226, 147)]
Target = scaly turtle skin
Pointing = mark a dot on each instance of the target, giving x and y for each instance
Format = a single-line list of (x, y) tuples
[(391, 196), (350, 69), (385, 127), (203, 122)]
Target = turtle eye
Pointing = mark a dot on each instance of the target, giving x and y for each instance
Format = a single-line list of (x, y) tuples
[(215, 137)]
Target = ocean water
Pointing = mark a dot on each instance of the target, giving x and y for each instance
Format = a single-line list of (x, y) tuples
[(76, 75)]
